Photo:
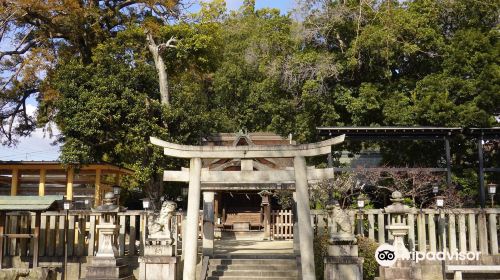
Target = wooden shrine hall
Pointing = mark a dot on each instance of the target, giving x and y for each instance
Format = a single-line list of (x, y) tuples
[(79, 184), (244, 209)]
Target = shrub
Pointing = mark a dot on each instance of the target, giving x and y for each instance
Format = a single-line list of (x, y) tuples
[(320, 251), (367, 248)]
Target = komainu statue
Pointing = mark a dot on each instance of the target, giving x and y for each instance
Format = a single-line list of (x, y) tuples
[(160, 225), (341, 224)]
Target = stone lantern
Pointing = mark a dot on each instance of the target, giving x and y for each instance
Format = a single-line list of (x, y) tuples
[(398, 226), (106, 264)]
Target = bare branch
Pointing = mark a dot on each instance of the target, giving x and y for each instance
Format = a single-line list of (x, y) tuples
[(169, 44), (26, 48)]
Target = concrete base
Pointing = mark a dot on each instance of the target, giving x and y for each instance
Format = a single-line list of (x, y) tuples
[(157, 268), (108, 268), (242, 235), (22, 273), (407, 270), (343, 268)]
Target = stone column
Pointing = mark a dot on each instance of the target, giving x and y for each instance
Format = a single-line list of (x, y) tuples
[(304, 219), (193, 213), (208, 223), (266, 207)]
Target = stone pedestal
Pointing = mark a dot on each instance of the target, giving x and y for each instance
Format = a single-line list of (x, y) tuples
[(343, 268), (108, 268), (158, 263), (342, 262), (107, 247), (208, 223)]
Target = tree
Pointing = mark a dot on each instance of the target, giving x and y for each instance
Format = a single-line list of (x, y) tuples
[(108, 109), (44, 33)]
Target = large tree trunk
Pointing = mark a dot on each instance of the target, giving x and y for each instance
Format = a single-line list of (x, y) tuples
[(160, 68)]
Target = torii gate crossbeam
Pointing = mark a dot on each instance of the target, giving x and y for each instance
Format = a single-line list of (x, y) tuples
[(196, 175)]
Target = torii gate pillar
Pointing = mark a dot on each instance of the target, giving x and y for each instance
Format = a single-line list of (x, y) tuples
[(193, 213), (304, 219)]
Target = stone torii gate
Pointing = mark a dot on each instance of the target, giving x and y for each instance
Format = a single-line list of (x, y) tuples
[(300, 175)]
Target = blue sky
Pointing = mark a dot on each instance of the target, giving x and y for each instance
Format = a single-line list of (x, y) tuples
[(283, 5), (39, 146)]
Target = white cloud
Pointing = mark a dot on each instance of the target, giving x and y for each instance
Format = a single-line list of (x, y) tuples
[(37, 146)]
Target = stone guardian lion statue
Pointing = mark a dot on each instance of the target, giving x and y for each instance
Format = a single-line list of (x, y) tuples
[(160, 225)]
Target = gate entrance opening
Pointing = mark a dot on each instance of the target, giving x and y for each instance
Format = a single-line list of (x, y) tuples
[(252, 174)]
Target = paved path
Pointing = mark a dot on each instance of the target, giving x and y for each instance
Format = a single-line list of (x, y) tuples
[(253, 247)]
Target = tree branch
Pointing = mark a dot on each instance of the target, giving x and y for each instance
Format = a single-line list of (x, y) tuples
[(169, 44), (26, 48)]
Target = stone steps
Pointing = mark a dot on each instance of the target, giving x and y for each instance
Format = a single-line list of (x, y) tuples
[(254, 268), (249, 278)]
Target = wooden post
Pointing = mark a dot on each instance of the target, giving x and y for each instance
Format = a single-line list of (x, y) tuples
[(97, 192), (41, 184), (38, 216), (216, 208), (69, 183), (15, 181), (118, 179), (2, 231)]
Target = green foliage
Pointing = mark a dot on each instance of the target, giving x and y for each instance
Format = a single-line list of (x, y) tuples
[(382, 63), (320, 244), (284, 199), (366, 249)]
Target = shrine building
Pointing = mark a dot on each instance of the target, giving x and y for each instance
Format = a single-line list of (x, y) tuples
[(84, 185)]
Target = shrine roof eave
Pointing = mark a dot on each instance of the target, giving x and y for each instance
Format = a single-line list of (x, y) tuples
[(257, 151)]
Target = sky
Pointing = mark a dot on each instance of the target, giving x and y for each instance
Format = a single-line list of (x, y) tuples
[(38, 146), (283, 5)]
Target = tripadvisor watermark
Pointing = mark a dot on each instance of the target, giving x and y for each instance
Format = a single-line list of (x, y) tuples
[(387, 255)]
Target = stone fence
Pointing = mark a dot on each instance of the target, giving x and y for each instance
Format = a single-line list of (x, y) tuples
[(82, 239), (461, 229)]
